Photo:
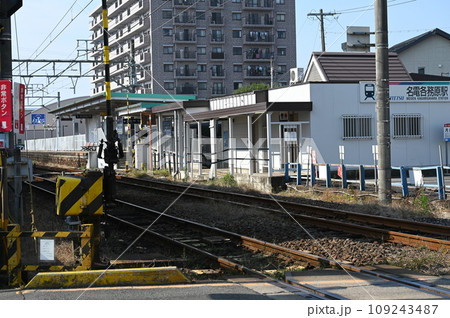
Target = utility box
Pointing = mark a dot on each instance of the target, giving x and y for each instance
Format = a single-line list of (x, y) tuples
[(80, 195), (141, 156)]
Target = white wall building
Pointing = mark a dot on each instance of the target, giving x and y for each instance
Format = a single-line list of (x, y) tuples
[(427, 53), (342, 115)]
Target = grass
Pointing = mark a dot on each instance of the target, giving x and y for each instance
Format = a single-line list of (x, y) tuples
[(226, 181), (427, 261), (420, 205)]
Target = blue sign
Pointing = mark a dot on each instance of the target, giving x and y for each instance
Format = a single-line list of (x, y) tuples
[(38, 119)]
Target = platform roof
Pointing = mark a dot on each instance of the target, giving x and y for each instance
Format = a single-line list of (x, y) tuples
[(257, 108), (96, 105)]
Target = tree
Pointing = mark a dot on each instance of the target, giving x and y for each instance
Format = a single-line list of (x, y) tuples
[(251, 88)]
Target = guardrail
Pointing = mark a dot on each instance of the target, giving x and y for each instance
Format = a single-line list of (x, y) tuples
[(408, 176)]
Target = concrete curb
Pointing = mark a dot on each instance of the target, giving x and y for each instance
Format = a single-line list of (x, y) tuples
[(112, 277)]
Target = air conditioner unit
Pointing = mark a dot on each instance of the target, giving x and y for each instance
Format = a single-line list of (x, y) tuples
[(296, 75)]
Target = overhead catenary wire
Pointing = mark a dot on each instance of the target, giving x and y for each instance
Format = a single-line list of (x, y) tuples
[(64, 28)]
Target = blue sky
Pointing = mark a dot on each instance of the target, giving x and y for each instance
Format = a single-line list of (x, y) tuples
[(38, 33)]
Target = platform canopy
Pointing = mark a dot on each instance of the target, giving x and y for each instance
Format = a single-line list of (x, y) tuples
[(96, 105)]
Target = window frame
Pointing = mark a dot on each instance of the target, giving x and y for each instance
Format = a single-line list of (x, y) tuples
[(407, 126), (357, 127)]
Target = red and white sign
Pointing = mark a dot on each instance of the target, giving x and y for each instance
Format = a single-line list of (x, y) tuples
[(5, 106)]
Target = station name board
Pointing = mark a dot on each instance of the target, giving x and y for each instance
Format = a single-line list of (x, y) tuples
[(407, 92)]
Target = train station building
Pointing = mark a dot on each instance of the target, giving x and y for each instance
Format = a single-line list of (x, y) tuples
[(256, 133)]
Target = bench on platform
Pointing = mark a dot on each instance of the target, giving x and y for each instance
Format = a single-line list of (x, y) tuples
[(89, 146)]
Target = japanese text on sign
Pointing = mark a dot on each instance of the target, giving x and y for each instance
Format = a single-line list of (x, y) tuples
[(427, 93), (5, 106)]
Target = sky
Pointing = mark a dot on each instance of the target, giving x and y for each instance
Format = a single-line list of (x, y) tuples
[(49, 29)]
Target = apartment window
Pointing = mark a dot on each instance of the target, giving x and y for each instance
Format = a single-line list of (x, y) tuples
[(201, 68), (281, 51), (201, 50), (237, 68), (169, 86), (168, 67), (236, 1), (217, 36), (167, 32), (218, 88), (282, 69), (237, 85), (357, 127), (202, 86), (201, 33), (167, 14), (217, 70), (281, 17), (237, 33), (421, 70), (200, 15), (280, 2), (167, 49), (281, 34), (407, 126), (236, 16), (237, 50)]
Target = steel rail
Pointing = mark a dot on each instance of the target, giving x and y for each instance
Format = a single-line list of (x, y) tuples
[(376, 233), (263, 246), (429, 228), (318, 261), (223, 262)]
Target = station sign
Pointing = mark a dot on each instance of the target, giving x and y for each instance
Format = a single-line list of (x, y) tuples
[(408, 92), (131, 120), (38, 119), (81, 116)]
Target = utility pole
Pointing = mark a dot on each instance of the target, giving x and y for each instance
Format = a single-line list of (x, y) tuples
[(382, 104), (320, 16)]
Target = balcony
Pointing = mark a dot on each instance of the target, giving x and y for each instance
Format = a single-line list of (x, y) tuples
[(187, 89), (216, 21), (217, 55), (185, 19), (184, 55), (183, 3), (260, 71), (259, 21), (219, 90), (258, 54), (216, 3), (216, 72), (185, 37), (217, 38), (258, 4), (185, 72), (255, 37)]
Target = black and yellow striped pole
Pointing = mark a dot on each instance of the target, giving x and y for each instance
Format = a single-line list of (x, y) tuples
[(111, 152)]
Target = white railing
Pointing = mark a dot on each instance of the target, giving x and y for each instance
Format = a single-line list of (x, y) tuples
[(67, 143)]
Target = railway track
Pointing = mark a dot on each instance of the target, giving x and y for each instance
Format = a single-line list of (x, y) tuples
[(417, 234), (238, 252)]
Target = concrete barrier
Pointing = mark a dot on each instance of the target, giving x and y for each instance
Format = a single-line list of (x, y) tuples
[(112, 277)]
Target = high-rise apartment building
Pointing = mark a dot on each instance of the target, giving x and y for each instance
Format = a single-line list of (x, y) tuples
[(203, 47)]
